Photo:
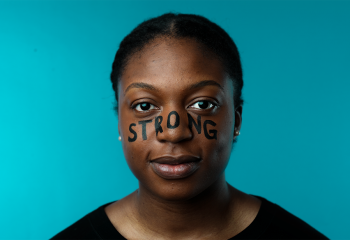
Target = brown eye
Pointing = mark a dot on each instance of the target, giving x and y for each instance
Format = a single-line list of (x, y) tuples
[(203, 105), (145, 106)]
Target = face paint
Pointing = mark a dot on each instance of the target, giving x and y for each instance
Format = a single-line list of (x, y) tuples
[(192, 121), (157, 121), (211, 134), (177, 120), (143, 123), (133, 132), (214, 132)]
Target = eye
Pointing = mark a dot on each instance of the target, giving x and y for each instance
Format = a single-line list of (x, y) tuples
[(203, 105), (144, 106)]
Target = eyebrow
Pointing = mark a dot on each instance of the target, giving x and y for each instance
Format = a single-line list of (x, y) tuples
[(193, 86), (140, 85), (205, 83)]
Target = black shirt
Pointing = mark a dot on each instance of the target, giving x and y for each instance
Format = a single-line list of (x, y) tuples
[(271, 222)]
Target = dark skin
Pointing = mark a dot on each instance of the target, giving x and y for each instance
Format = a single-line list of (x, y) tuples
[(177, 75)]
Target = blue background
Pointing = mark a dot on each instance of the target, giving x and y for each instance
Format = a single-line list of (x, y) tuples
[(60, 157)]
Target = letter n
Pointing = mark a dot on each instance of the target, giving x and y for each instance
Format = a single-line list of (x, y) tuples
[(192, 121)]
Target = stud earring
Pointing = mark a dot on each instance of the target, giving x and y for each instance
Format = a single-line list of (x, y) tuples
[(120, 138), (237, 133)]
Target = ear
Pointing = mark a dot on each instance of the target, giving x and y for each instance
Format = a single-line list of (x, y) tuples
[(238, 120)]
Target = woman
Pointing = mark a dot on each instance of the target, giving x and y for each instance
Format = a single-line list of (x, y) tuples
[(177, 80)]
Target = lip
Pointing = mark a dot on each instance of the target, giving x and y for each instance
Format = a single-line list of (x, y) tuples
[(170, 167)]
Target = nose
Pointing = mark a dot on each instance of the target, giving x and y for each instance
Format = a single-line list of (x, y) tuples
[(173, 127)]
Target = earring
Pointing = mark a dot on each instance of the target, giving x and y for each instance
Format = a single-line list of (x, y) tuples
[(120, 138), (237, 133)]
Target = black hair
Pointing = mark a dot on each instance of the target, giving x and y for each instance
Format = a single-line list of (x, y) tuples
[(209, 34)]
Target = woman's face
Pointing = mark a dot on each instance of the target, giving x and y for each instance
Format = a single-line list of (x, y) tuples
[(176, 118)]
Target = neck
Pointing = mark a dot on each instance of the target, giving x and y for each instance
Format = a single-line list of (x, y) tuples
[(206, 212)]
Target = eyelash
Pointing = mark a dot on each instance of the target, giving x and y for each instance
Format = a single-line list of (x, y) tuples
[(211, 104), (139, 104)]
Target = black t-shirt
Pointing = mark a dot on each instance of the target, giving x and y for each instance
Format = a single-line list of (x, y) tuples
[(271, 222)]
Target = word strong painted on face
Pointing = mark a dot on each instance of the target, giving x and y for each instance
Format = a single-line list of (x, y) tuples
[(173, 121)]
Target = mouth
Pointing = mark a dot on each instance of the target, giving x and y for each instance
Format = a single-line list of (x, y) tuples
[(169, 167)]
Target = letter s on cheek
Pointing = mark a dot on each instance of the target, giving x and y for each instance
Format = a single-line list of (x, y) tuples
[(214, 132), (133, 132)]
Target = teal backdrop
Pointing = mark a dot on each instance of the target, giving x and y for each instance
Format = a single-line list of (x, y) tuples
[(60, 157)]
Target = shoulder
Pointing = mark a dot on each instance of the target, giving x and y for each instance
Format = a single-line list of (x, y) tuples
[(284, 225), (94, 225), (81, 229)]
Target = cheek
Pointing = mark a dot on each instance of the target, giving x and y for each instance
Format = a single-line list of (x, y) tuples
[(226, 129), (136, 155), (130, 149), (136, 151), (218, 151)]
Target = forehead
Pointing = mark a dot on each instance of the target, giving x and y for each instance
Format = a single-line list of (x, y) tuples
[(172, 63)]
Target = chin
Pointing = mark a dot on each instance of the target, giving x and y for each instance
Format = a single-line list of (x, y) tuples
[(177, 190)]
